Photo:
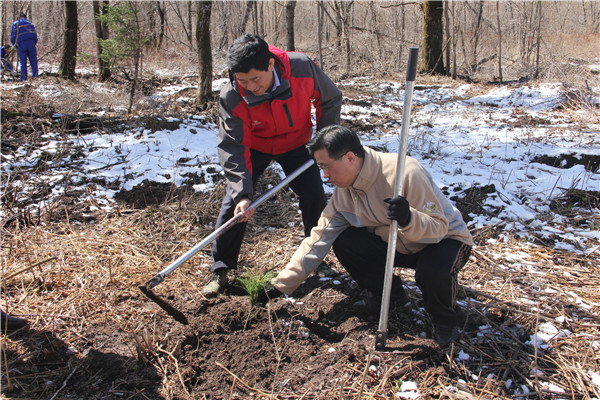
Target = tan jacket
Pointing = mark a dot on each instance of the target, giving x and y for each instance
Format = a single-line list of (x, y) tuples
[(433, 216)]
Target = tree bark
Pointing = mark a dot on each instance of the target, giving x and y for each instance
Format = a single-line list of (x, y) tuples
[(500, 79), (476, 35), (69, 52), (432, 61), (161, 16), (320, 30), (290, 8), (101, 8), (538, 40), (204, 54), (249, 7)]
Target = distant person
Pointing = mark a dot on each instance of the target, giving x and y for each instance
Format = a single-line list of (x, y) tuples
[(24, 36), (265, 115), (5, 63), (9, 323), (433, 239)]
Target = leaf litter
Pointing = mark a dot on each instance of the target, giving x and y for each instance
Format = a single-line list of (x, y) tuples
[(94, 204)]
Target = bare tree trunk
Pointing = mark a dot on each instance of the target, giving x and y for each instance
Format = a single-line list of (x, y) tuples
[(447, 42), (261, 19), (377, 31), (538, 40), (433, 38), (401, 35), (255, 17), (181, 18), (454, 43), (137, 54), (101, 8), (476, 35), (343, 11), (160, 9), (69, 52), (189, 15), (249, 6), (205, 63), (500, 79), (290, 8), (320, 31)]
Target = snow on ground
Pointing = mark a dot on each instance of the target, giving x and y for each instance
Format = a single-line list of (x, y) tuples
[(465, 140), (466, 136)]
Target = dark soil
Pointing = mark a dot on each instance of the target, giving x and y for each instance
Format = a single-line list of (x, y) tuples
[(317, 344)]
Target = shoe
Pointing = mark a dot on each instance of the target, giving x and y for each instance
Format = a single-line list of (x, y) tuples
[(445, 334), (370, 303), (325, 271), (11, 324), (400, 298), (373, 301), (217, 283)]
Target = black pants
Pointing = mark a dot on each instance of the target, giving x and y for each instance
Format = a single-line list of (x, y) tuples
[(308, 186), (363, 254)]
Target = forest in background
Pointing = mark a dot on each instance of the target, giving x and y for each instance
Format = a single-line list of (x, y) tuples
[(482, 40)]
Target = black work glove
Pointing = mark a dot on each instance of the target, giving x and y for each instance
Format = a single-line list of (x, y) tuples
[(398, 210), (266, 295)]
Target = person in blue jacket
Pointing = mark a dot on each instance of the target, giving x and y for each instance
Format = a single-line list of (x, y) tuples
[(4, 63), (23, 34)]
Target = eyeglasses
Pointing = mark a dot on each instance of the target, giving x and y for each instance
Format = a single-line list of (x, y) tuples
[(325, 167)]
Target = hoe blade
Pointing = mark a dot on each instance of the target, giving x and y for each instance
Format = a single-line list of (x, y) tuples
[(172, 311)]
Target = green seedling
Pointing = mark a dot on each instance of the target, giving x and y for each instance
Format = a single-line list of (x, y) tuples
[(254, 283)]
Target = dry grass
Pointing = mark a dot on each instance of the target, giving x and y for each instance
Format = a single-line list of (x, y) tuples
[(68, 280), (77, 285)]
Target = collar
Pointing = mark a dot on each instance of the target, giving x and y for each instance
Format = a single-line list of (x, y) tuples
[(368, 173), (276, 81)]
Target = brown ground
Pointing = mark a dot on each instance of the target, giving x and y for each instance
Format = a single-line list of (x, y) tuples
[(73, 273)]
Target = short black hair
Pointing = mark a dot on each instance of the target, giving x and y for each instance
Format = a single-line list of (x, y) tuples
[(247, 52), (337, 140), (23, 15)]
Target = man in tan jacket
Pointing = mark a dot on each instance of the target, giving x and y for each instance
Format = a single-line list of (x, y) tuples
[(432, 237)]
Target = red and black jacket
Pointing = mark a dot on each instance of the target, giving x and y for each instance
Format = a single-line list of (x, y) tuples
[(273, 124)]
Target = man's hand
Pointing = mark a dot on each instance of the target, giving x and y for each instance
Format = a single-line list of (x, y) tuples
[(399, 210), (242, 207), (266, 295)]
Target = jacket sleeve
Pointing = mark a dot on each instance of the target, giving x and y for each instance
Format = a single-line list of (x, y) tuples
[(428, 223), (233, 147), (327, 98), (311, 252)]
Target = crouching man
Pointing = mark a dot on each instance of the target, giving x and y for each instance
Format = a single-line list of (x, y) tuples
[(433, 239)]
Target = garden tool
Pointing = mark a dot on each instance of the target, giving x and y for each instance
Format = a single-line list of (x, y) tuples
[(411, 72), (160, 277)]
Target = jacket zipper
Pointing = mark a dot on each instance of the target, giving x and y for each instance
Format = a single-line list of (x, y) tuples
[(289, 116)]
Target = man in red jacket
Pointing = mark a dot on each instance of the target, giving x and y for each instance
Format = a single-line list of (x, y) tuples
[(265, 115)]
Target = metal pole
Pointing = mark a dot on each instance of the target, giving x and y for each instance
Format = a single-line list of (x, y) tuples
[(411, 72), (158, 278)]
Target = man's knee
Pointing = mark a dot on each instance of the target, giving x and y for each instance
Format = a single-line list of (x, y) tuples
[(345, 240)]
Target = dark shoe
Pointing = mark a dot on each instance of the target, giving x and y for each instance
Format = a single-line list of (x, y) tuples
[(325, 271), (400, 298), (373, 301), (370, 303), (11, 324), (217, 283), (444, 334)]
